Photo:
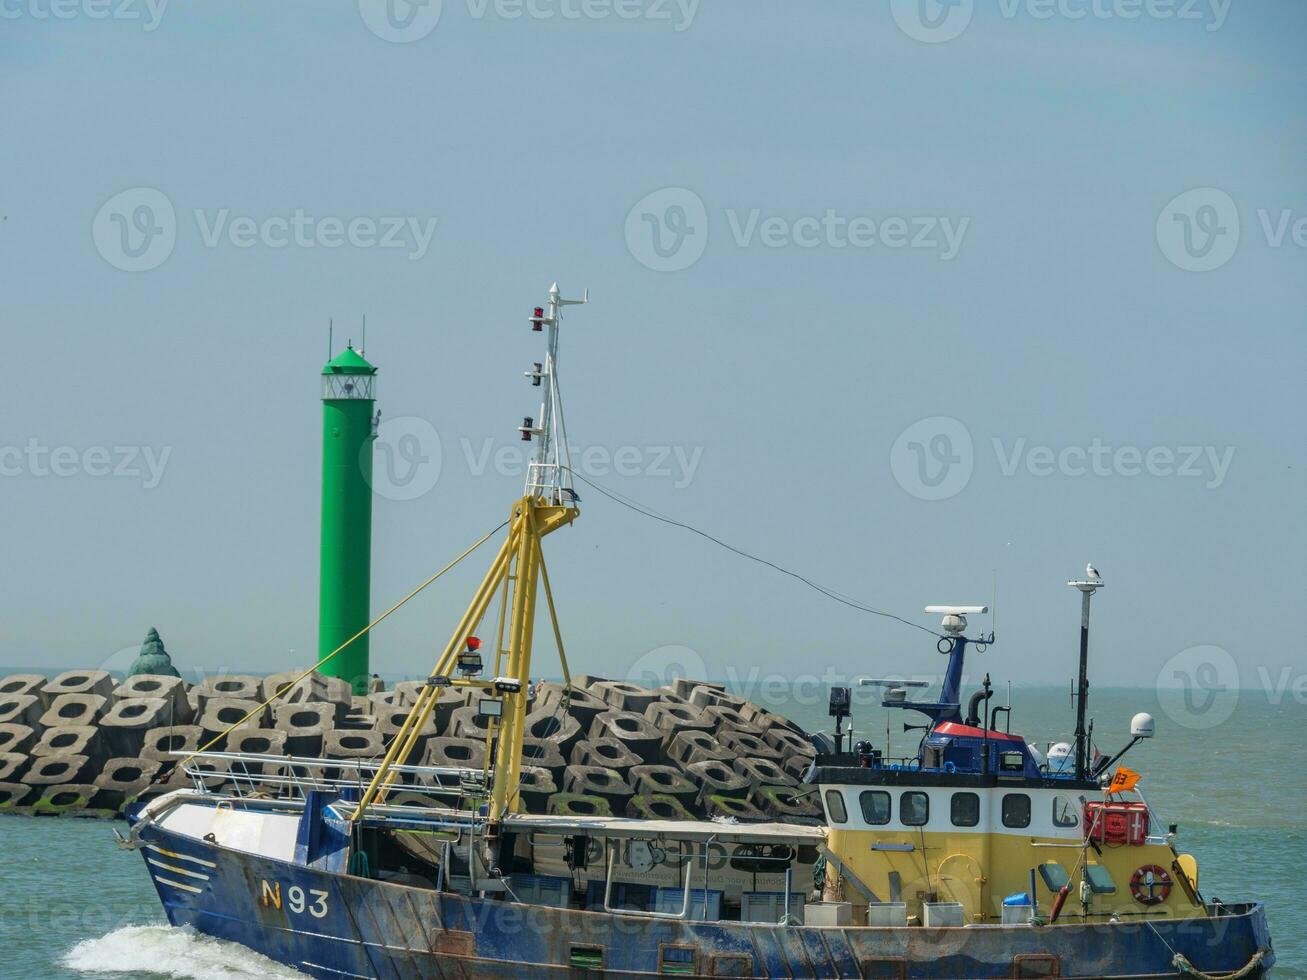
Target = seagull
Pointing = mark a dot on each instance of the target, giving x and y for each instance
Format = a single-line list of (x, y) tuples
[(1092, 573)]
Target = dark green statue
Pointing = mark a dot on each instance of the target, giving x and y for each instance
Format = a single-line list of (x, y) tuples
[(153, 658)]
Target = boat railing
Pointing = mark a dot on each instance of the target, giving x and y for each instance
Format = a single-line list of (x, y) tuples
[(280, 777)]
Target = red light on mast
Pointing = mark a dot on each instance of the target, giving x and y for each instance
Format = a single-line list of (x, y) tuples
[(473, 643), (538, 319)]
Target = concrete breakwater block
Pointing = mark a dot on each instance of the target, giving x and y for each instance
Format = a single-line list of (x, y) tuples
[(383, 702), (551, 725), (689, 747), (785, 803), (625, 697), (788, 743), (732, 807), (314, 687), (16, 684), (728, 719), (606, 752), (50, 770), (762, 772), (391, 721), (69, 739), (468, 722), (74, 709), (544, 754), (305, 726), (717, 779), (219, 714), (12, 796), (455, 753), (258, 741), (581, 704), (748, 745), (537, 785), (239, 687), (353, 745), (22, 709), (597, 781), (160, 742), (632, 731), (578, 805), (797, 766), (664, 781), (12, 766), (17, 738), (125, 725), (657, 807), (173, 690), (121, 781), (80, 682), (670, 717), (448, 701), (683, 687), (64, 798)]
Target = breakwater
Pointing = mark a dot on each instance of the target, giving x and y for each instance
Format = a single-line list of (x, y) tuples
[(88, 744)]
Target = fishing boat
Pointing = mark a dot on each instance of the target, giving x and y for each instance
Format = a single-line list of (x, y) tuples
[(976, 857)]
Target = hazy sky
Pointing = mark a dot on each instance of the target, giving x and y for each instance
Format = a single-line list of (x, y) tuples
[(901, 297)]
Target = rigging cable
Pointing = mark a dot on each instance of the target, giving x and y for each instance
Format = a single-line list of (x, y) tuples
[(844, 600)]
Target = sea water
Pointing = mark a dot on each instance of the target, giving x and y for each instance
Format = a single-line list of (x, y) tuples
[(72, 905)]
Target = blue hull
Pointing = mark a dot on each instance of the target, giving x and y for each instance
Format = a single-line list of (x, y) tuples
[(330, 925)]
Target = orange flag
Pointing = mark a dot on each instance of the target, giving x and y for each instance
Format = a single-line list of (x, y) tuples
[(1123, 781)]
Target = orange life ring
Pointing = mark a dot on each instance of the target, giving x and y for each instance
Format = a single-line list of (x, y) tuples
[(1150, 885)]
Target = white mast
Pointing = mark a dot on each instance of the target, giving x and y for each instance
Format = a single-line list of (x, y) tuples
[(548, 475)]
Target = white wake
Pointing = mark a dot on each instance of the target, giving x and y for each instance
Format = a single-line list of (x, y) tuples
[(175, 954)]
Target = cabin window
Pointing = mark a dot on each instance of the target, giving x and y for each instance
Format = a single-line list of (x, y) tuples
[(875, 806), (914, 808), (586, 957), (1065, 812), (1054, 875), (677, 959), (1100, 879), (1016, 810), (965, 809), (730, 965), (835, 806)]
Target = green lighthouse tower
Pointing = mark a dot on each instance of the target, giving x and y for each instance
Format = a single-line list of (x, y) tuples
[(345, 588)]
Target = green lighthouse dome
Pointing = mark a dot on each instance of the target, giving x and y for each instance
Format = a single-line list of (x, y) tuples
[(153, 658)]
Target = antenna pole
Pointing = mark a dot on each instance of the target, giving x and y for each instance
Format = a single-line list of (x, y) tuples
[(1087, 587), (364, 349), (331, 338)]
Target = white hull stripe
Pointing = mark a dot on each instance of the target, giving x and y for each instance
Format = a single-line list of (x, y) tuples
[(180, 857), (178, 884), (176, 870)]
